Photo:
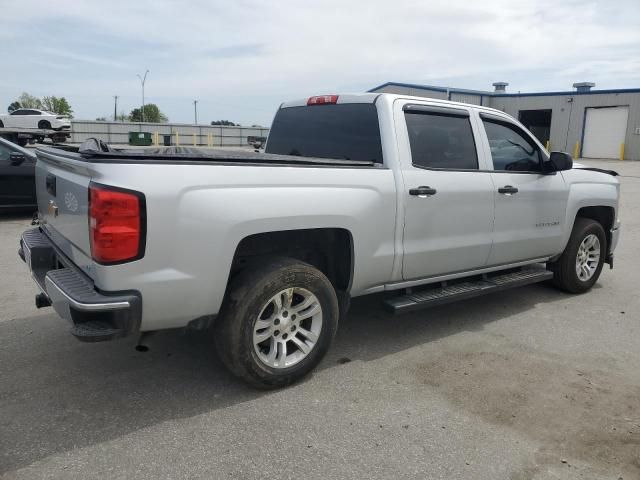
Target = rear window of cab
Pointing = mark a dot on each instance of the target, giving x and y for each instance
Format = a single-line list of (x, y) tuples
[(348, 131)]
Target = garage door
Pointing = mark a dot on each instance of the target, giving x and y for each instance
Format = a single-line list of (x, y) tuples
[(604, 132)]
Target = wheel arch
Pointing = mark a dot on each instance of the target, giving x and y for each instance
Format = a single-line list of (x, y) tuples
[(597, 201), (604, 215), (331, 250)]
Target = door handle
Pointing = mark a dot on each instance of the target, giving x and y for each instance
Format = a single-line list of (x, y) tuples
[(423, 191), (508, 190)]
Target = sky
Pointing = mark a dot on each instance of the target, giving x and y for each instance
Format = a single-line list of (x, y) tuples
[(241, 58)]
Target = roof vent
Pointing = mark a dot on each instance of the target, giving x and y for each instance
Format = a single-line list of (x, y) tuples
[(500, 87), (582, 87)]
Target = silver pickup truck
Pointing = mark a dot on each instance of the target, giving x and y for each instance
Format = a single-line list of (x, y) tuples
[(428, 200)]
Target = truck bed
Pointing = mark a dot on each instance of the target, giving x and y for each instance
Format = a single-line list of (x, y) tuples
[(33, 131), (22, 136), (196, 207)]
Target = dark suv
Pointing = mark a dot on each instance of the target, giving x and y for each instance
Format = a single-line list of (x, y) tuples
[(17, 184)]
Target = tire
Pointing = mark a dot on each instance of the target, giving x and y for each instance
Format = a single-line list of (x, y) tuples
[(565, 270), (1, 124), (44, 125), (22, 142), (250, 313)]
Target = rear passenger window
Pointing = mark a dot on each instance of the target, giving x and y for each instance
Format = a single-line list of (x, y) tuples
[(511, 150), (441, 141)]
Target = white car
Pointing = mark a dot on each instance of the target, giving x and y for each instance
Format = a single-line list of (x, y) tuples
[(32, 118)]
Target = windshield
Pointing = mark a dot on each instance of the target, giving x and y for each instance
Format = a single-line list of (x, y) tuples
[(347, 131)]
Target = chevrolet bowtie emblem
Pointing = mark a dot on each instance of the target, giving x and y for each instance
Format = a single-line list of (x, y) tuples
[(52, 209)]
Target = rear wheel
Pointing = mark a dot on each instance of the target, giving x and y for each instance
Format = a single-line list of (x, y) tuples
[(44, 125), (580, 265), (1, 124), (277, 322)]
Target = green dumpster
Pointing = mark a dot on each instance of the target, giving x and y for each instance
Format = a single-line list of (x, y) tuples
[(140, 138)]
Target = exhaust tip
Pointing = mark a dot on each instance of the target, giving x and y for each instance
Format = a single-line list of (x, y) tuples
[(142, 345)]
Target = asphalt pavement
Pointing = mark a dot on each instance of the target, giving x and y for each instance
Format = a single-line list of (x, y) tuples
[(529, 383)]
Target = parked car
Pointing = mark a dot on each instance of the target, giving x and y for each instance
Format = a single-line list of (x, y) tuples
[(256, 142), (356, 194), (32, 118), (17, 181)]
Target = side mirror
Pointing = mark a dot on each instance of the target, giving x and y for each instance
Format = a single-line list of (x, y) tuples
[(16, 158), (559, 161)]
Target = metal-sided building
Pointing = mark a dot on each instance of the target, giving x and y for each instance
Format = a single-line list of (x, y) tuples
[(584, 122)]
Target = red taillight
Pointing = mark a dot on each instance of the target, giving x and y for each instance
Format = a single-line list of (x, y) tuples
[(115, 224), (322, 100)]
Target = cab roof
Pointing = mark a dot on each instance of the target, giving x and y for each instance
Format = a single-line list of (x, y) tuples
[(372, 97)]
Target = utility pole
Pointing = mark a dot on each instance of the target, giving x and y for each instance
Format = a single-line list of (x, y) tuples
[(115, 109), (142, 80), (195, 110)]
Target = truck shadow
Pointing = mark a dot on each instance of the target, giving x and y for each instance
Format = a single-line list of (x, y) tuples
[(368, 321), (58, 394)]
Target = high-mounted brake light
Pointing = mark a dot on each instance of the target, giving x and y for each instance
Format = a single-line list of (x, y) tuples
[(322, 100), (116, 224)]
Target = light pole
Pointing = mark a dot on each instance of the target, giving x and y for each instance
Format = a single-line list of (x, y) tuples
[(195, 110), (142, 80), (115, 109)]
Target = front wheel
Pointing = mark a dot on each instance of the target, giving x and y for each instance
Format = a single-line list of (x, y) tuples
[(277, 322), (580, 265)]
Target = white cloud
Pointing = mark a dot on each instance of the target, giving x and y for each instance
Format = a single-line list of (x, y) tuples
[(240, 59)]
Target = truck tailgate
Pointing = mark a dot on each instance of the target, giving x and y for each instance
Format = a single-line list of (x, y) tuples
[(62, 189)]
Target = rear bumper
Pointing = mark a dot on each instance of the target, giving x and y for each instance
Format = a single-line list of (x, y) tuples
[(94, 315)]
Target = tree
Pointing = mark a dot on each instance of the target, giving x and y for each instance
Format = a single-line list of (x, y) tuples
[(13, 106), (53, 104), (152, 114), (57, 105), (29, 101), (226, 123), (122, 117)]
